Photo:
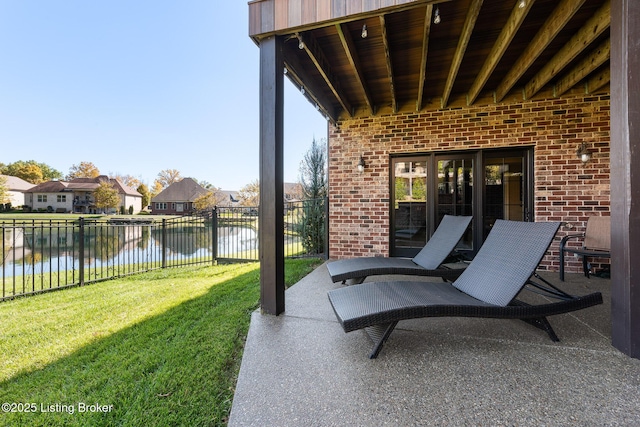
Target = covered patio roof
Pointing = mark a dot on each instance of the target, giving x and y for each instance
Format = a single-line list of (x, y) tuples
[(481, 52), (360, 58)]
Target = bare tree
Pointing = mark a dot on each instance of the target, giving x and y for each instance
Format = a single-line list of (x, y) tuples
[(167, 177), (250, 194), (128, 180), (83, 170)]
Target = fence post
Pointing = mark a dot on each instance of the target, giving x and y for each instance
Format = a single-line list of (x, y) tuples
[(81, 250), (214, 235), (326, 227), (164, 243)]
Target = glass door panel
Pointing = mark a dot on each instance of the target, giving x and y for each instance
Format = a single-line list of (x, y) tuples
[(455, 192), (410, 205), (504, 190)]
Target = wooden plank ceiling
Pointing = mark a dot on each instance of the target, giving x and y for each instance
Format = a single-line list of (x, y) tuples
[(480, 52)]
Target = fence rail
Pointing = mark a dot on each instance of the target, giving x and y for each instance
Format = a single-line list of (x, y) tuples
[(42, 255)]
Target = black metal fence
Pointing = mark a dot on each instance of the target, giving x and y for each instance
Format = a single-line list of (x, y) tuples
[(43, 255)]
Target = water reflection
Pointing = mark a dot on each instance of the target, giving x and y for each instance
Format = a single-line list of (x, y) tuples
[(33, 250)]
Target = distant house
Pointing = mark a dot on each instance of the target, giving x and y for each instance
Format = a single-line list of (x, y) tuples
[(77, 196), (229, 199), (178, 198), (16, 188), (292, 192)]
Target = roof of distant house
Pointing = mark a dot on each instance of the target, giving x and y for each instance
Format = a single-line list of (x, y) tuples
[(232, 196), (50, 187), (14, 183), (82, 184), (186, 190)]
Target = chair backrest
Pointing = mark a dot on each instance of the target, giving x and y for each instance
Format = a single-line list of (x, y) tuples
[(598, 233), (445, 238), (506, 260)]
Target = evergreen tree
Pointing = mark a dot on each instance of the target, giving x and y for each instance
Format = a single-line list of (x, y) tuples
[(313, 180)]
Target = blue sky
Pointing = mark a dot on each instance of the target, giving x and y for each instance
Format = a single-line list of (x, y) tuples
[(139, 86)]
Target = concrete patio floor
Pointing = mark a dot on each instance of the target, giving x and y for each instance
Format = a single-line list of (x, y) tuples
[(301, 369)]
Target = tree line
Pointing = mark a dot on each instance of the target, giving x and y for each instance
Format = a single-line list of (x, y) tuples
[(312, 181)]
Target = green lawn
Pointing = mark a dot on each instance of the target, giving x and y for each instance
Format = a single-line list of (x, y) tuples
[(155, 349)]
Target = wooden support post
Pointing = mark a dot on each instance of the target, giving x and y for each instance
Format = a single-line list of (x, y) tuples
[(271, 215), (625, 176)]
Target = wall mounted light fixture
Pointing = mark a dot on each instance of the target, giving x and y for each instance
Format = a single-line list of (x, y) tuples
[(364, 33), (583, 153), (522, 4), (361, 165)]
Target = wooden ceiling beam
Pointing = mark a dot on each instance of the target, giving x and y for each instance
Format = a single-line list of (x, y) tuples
[(585, 67), (599, 80), (581, 40), (463, 42), (352, 55), (426, 31), (311, 90), (387, 57), (312, 48), (507, 34), (549, 30)]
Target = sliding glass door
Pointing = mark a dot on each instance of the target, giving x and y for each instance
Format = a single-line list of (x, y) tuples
[(409, 218), (506, 192), (455, 191), (426, 187)]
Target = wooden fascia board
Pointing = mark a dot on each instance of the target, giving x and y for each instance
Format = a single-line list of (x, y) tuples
[(312, 48), (262, 21), (352, 55), (387, 56), (425, 50), (549, 30), (593, 28), (463, 42), (585, 67), (511, 27)]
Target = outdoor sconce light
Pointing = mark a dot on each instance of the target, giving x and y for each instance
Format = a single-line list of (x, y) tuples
[(583, 153), (364, 33), (361, 165)]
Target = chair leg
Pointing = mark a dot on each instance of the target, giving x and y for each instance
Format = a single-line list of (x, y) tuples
[(585, 266), (561, 265), (354, 281), (379, 334), (543, 323)]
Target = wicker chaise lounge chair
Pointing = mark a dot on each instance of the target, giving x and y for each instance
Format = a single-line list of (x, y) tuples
[(426, 263), (487, 288)]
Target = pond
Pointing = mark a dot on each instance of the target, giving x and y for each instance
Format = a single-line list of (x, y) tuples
[(35, 250)]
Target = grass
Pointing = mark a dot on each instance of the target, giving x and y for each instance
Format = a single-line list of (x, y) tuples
[(159, 348)]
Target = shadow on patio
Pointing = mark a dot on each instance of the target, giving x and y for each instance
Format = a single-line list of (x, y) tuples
[(300, 368)]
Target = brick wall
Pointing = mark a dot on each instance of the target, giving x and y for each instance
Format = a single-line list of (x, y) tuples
[(565, 189)]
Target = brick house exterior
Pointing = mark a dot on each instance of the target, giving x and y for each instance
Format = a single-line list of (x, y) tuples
[(564, 189), (178, 198)]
